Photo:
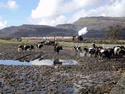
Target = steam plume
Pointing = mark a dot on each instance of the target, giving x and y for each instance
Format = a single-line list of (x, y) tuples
[(82, 31)]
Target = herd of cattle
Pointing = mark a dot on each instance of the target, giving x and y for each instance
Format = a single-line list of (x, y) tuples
[(29, 47), (96, 51), (39, 46), (99, 51)]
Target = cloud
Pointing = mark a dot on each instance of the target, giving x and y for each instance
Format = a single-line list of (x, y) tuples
[(11, 4), (3, 24), (53, 12)]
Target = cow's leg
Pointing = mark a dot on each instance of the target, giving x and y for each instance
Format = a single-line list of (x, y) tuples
[(85, 53)]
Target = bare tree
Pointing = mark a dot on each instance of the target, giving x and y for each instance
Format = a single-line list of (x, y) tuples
[(113, 32)]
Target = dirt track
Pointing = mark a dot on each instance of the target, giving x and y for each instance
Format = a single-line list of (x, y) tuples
[(65, 76)]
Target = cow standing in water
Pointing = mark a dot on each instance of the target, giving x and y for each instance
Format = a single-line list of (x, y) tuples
[(57, 49)]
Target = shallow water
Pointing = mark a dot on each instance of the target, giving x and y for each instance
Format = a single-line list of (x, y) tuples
[(12, 62), (47, 62), (82, 54)]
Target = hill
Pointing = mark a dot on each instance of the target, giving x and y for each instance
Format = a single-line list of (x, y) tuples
[(33, 31), (96, 27)]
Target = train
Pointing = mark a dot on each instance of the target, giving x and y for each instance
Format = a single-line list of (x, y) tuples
[(52, 38)]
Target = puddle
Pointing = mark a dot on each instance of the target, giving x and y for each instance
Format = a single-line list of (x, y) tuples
[(82, 54), (42, 62), (47, 62), (69, 62), (12, 62)]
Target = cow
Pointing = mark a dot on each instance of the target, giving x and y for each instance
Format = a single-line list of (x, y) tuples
[(50, 43), (107, 52), (41, 42), (85, 50), (57, 49), (77, 48), (119, 51), (93, 45), (39, 46), (25, 47), (91, 51), (32, 47), (20, 48), (96, 49)]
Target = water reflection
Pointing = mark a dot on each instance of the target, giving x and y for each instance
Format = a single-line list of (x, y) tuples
[(47, 62), (42, 62)]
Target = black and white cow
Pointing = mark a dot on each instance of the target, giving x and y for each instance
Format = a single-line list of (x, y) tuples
[(20, 48), (97, 49), (50, 43), (57, 49), (108, 52), (25, 47), (91, 52), (39, 46), (41, 42), (93, 45), (32, 47), (119, 51), (77, 48)]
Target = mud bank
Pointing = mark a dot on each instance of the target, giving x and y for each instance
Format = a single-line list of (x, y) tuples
[(91, 75)]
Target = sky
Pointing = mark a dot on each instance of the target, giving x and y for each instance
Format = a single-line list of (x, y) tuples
[(54, 12)]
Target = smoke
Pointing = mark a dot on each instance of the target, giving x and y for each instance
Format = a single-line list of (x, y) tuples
[(82, 31)]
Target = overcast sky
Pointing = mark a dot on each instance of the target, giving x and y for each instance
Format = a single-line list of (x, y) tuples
[(53, 12)]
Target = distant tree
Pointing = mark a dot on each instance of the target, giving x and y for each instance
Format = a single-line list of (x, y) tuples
[(113, 32)]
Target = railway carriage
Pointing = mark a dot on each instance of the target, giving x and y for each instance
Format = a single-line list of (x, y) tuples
[(65, 38), (58, 38), (68, 38), (50, 38)]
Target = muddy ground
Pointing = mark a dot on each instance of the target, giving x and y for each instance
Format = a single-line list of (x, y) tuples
[(91, 75)]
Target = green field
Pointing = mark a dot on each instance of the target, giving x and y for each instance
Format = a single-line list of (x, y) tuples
[(66, 43), (16, 42)]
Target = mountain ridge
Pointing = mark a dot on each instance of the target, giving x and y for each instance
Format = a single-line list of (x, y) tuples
[(96, 27)]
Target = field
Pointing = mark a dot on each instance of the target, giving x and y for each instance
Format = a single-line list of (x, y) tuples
[(90, 75)]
